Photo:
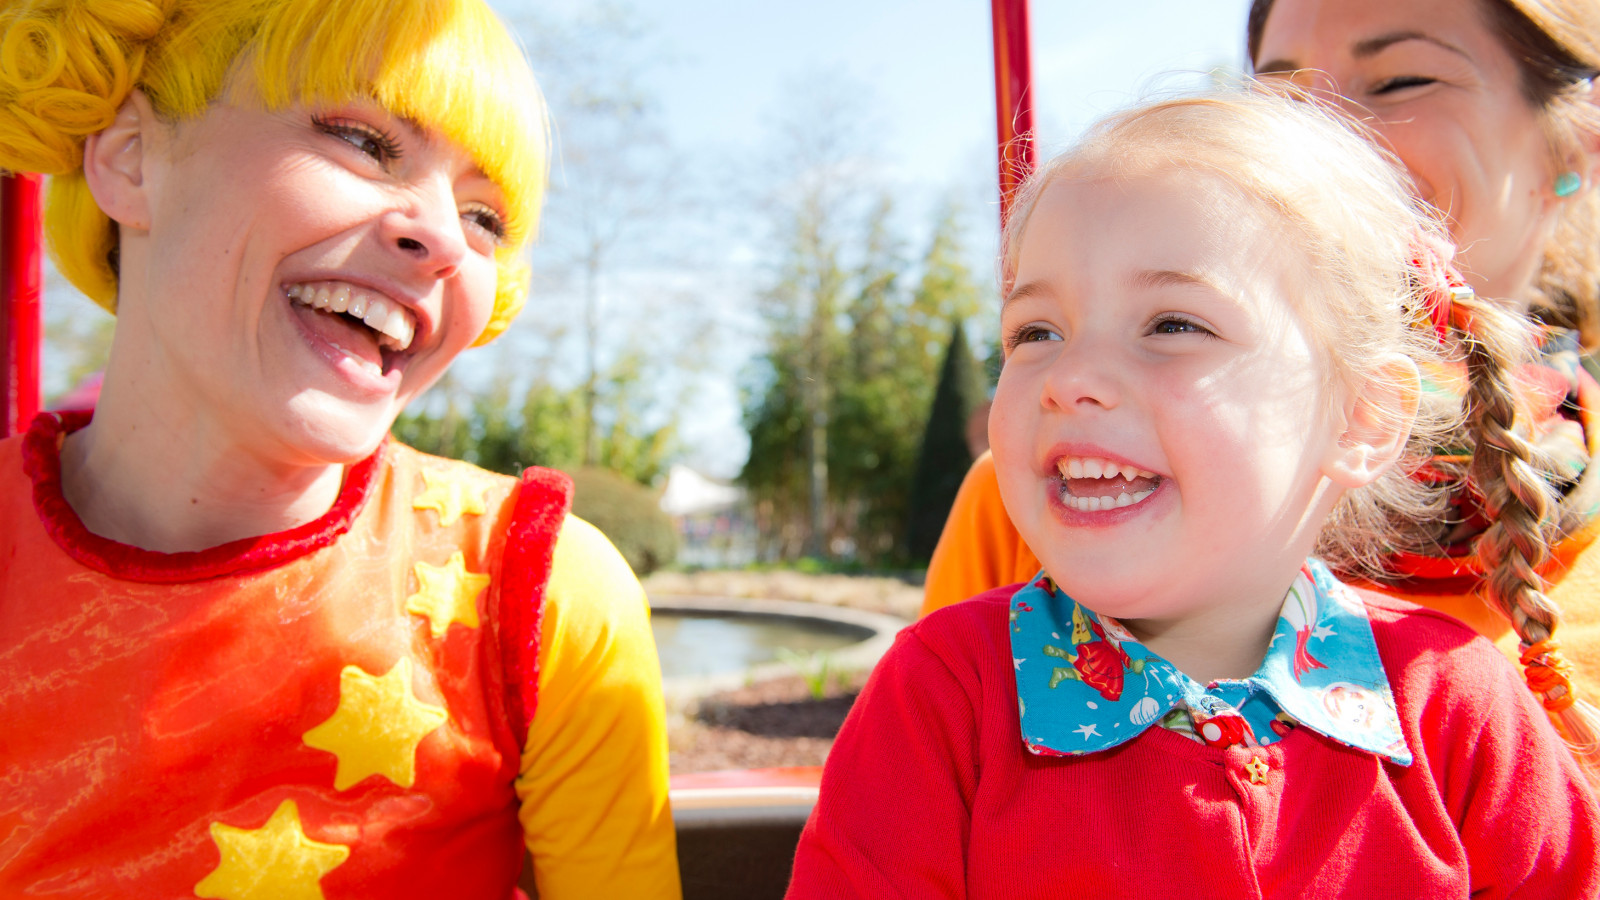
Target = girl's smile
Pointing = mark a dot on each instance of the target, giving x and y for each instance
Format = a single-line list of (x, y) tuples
[(1096, 484)]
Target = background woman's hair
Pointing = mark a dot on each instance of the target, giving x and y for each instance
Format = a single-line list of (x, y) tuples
[(66, 66), (1556, 44)]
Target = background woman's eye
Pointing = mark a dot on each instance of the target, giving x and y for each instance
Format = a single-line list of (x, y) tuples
[(1389, 85), (485, 218)]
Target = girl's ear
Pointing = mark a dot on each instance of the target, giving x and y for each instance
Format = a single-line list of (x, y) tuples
[(1377, 423), (114, 163)]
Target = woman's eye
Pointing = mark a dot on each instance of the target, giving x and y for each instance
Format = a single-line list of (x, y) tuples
[(486, 219), (1178, 326), (374, 142), (1400, 83)]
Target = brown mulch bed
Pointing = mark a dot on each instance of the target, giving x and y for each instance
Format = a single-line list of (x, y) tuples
[(770, 723), (777, 722)]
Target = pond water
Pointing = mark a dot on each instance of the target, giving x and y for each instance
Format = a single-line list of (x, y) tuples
[(693, 642)]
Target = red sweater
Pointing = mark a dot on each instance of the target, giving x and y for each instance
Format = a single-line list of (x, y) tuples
[(929, 793)]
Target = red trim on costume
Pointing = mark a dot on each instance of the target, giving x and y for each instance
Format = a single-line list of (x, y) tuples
[(41, 461), (541, 508)]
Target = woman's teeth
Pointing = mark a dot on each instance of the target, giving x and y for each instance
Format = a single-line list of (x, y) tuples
[(394, 323), (1081, 468)]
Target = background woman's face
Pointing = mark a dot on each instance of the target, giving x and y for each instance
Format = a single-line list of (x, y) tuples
[(1436, 83)]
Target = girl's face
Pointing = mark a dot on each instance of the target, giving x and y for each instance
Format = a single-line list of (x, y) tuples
[(257, 219), (1436, 83), (1162, 420)]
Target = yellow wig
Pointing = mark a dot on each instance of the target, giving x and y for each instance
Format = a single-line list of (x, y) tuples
[(66, 66)]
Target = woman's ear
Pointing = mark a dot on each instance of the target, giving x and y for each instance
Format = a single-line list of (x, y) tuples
[(1377, 424), (114, 163)]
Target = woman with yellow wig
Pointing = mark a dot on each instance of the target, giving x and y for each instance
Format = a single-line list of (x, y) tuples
[(249, 647)]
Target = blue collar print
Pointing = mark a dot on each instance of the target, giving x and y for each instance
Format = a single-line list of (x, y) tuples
[(1085, 684)]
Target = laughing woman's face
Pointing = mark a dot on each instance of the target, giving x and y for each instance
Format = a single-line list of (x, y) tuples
[(300, 275), (1437, 84)]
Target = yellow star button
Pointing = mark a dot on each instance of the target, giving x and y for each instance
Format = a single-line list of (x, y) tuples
[(274, 862), (1258, 769), (377, 727), (452, 495), (447, 593)]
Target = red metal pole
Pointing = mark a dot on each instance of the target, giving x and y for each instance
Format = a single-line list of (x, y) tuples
[(1013, 79), (21, 281)]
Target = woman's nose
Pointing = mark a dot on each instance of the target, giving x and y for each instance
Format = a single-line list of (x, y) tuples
[(426, 231)]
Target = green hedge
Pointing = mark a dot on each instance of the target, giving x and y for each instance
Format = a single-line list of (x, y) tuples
[(629, 514)]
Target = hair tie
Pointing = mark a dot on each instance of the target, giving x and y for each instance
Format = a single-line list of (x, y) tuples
[(1546, 669), (1441, 286)]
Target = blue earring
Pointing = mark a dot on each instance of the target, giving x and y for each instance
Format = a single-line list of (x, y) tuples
[(1567, 184)]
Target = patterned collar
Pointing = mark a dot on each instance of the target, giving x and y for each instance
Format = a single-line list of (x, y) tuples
[(1085, 684)]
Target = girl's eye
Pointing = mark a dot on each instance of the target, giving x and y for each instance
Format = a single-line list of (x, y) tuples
[(1400, 83), (1029, 334), (374, 142), (486, 219), (1178, 325)]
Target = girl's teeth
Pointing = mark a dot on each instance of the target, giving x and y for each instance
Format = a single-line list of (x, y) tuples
[(1097, 504), (1092, 468), (1075, 469)]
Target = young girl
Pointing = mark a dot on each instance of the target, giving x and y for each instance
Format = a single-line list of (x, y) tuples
[(1213, 347), (249, 647)]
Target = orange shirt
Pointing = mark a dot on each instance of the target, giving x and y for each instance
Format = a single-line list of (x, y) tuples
[(390, 701)]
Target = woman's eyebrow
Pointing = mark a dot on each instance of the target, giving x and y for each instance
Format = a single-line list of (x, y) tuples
[(1375, 45), (1366, 49)]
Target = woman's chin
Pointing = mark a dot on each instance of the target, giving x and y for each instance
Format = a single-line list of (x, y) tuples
[(334, 431)]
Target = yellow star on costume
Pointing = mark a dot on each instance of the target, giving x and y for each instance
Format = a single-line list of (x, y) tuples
[(1258, 769), (451, 495), (377, 727), (274, 862), (447, 593)]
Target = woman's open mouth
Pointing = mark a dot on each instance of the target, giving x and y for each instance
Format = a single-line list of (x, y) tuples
[(369, 329)]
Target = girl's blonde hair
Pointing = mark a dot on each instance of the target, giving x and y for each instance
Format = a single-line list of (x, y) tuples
[(1348, 211), (66, 66)]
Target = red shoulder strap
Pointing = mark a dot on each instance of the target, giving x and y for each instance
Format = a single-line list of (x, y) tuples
[(543, 499)]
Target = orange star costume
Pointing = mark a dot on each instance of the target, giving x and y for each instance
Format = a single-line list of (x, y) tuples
[(390, 701), (980, 549)]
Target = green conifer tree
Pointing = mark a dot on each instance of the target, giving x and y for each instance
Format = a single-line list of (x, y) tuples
[(945, 456)]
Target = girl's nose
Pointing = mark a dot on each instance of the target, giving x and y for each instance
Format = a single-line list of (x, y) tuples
[(1082, 378)]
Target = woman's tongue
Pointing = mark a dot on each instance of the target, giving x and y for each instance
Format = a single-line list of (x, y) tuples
[(345, 333)]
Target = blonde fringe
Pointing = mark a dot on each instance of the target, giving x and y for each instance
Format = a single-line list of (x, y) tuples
[(66, 66)]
